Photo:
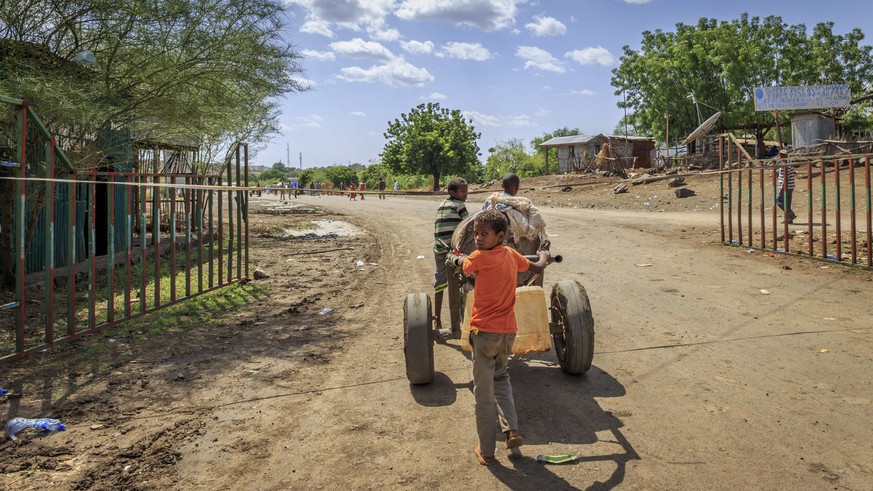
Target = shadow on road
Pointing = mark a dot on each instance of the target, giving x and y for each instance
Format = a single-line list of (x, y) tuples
[(439, 393), (560, 410)]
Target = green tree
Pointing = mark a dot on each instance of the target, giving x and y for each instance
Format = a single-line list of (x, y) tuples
[(341, 174), (510, 156), (719, 63), (431, 140), (165, 70), (552, 153), (273, 175), (372, 174)]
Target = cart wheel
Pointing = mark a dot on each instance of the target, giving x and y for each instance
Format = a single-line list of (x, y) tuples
[(417, 341), (574, 327)]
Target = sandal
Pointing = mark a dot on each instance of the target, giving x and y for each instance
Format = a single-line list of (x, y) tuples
[(484, 459), (513, 440)]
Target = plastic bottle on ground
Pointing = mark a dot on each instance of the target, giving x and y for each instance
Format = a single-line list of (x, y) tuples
[(557, 459), (15, 425)]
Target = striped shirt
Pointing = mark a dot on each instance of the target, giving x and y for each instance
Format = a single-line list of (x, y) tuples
[(781, 177), (449, 215)]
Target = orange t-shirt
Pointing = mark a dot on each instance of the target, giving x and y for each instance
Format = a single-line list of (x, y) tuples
[(496, 273)]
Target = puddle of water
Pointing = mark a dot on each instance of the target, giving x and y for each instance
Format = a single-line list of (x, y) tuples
[(285, 207), (326, 228)]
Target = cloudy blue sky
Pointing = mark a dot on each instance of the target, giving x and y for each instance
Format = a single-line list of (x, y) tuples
[(517, 68)]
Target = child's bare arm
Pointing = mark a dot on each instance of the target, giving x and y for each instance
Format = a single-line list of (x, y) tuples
[(539, 265)]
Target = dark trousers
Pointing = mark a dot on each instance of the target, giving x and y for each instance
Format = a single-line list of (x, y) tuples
[(783, 200)]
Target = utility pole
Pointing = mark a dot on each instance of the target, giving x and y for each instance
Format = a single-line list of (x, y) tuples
[(288, 154), (696, 106), (301, 160), (667, 140)]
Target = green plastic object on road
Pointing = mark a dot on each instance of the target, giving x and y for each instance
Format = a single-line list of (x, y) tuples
[(557, 459)]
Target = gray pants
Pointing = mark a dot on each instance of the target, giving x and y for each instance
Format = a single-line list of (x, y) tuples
[(491, 387)]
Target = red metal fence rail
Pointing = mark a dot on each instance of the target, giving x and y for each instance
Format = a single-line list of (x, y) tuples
[(831, 224), (157, 242)]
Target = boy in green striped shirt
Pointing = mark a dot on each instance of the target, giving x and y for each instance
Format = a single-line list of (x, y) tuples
[(449, 215)]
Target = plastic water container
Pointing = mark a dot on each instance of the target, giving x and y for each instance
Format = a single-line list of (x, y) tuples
[(15, 425), (532, 319)]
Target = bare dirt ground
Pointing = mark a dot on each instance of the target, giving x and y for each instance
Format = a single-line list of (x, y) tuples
[(701, 380)]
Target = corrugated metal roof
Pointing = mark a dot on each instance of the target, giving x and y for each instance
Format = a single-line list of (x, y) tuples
[(563, 141), (631, 137)]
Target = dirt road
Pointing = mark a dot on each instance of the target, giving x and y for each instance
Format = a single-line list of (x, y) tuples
[(714, 368)]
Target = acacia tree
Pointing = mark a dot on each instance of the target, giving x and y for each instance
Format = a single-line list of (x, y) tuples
[(164, 70), (433, 141), (721, 62)]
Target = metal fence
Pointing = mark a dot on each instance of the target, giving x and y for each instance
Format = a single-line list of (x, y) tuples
[(111, 246), (831, 198)]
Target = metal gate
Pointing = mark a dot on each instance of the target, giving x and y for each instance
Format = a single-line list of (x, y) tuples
[(111, 246), (832, 201)]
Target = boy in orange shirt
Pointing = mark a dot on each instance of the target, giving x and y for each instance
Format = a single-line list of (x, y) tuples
[(493, 327)]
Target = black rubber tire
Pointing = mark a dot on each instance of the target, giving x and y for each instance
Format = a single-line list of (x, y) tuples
[(417, 338), (571, 313)]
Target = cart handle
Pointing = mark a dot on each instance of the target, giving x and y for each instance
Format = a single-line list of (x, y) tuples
[(457, 260), (555, 257)]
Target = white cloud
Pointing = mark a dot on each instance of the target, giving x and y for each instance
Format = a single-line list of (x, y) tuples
[(637, 2), (487, 15), (466, 51), (309, 121), (546, 26), (318, 55), (316, 27), (396, 73), (358, 48), (349, 14), (385, 34), (539, 59), (591, 56), (542, 113), (499, 121), (433, 96), (358, 113), (460, 51), (418, 47), (582, 92)]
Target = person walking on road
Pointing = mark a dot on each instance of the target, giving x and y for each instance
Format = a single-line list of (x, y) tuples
[(785, 183)]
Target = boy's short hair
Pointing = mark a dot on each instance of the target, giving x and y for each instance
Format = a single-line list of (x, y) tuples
[(456, 184), (492, 218), (510, 178)]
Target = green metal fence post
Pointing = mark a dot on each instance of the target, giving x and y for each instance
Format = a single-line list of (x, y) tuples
[(50, 245)]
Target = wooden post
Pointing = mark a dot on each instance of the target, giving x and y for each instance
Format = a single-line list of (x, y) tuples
[(778, 129)]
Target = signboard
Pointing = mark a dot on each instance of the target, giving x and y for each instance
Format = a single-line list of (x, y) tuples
[(801, 97)]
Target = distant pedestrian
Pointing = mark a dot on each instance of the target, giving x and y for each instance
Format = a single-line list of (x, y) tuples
[(352, 193), (362, 187), (396, 186), (381, 188), (785, 183)]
